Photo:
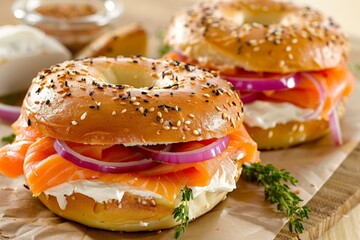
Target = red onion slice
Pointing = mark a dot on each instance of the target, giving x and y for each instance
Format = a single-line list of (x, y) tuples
[(263, 84), (321, 91), (198, 155), (249, 97), (106, 167), (9, 113), (335, 128)]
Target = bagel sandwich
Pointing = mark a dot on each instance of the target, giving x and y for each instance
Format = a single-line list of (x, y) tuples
[(112, 143), (288, 62)]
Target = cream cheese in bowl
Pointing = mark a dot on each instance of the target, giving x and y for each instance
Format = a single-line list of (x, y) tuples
[(24, 51)]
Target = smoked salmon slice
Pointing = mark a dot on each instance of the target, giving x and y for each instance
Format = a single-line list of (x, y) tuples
[(12, 155), (336, 82), (44, 168)]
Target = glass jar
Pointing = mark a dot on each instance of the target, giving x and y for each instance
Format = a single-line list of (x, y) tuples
[(74, 23)]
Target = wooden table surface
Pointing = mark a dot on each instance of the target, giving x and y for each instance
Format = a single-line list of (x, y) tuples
[(155, 15)]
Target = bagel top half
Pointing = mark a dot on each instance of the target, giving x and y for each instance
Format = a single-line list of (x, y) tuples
[(258, 35), (131, 101)]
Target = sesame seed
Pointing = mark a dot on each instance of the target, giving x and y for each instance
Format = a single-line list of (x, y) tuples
[(166, 110), (187, 122), (301, 128), (270, 134), (233, 122), (288, 48), (294, 41), (166, 127), (159, 114), (151, 109), (178, 123), (74, 123), (217, 108), (83, 116), (124, 110), (191, 115), (136, 103), (122, 103), (206, 95), (113, 113), (294, 128), (196, 132), (153, 124), (224, 115)]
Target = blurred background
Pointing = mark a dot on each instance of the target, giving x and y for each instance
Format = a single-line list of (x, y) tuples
[(154, 15)]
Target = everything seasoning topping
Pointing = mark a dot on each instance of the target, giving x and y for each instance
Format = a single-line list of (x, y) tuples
[(164, 104), (295, 24)]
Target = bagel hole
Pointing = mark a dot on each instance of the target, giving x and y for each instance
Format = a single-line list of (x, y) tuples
[(263, 17), (125, 74)]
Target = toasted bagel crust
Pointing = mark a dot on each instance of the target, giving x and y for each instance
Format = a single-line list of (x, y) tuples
[(131, 101), (258, 35), (130, 215), (289, 134)]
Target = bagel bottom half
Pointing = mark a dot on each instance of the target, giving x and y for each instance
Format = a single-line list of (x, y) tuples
[(292, 133), (131, 215), (288, 134)]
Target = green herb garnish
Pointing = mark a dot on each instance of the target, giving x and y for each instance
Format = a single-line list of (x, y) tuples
[(355, 68), (9, 139), (181, 213), (278, 192), (14, 99), (164, 48)]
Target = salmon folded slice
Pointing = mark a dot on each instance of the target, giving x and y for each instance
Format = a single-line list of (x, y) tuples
[(44, 168), (12, 155), (336, 83)]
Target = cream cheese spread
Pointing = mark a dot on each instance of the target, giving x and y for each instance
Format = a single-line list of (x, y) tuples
[(266, 115), (223, 180)]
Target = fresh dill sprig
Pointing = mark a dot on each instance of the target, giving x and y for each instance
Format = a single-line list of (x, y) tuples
[(181, 213), (278, 192), (9, 139)]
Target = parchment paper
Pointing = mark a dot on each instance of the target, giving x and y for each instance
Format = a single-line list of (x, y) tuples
[(243, 215)]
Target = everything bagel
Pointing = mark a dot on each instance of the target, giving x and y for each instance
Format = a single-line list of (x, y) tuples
[(282, 58), (112, 143)]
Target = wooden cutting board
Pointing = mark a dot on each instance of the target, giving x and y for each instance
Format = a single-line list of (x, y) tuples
[(339, 195)]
